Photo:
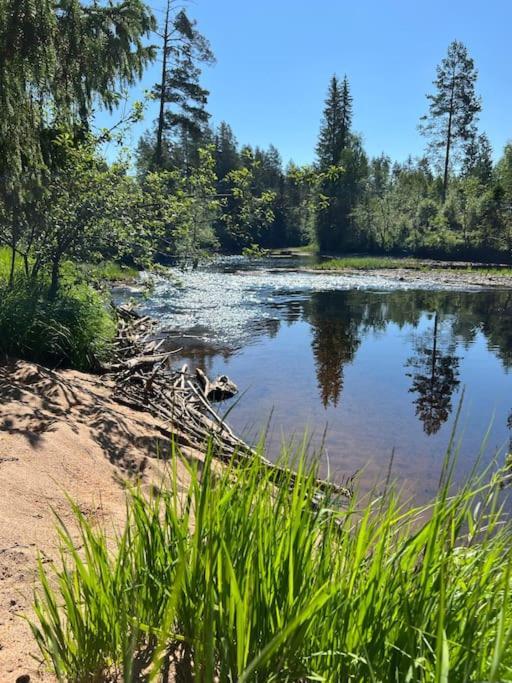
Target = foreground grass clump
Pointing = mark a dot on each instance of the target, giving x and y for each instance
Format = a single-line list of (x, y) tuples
[(246, 582), (368, 263), (72, 329)]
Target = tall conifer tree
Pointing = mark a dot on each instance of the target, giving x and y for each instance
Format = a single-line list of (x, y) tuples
[(342, 163), (453, 108), (227, 157), (336, 123), (182, 115)]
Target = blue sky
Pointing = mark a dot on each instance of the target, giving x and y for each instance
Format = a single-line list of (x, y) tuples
[(275, 58)]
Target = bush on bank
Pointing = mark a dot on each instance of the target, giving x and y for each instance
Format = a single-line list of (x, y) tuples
[(73, 328)]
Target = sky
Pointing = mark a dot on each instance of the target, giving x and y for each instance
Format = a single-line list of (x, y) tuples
[(275, 59)]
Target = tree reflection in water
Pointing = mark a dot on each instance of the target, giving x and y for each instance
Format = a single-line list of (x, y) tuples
[(335, 342), (340, 321), (435, 377)]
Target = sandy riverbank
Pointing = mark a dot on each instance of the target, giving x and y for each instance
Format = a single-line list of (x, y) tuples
[(60, 433)]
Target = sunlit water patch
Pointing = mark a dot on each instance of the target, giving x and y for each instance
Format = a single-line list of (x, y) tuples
[(230, 301)]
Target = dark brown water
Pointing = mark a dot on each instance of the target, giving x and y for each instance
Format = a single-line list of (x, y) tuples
[(376, 366)]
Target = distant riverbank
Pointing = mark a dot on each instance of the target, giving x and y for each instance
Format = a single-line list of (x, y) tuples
[(417, 271)]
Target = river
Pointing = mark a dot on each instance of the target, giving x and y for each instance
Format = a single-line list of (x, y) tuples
[(365, 366)]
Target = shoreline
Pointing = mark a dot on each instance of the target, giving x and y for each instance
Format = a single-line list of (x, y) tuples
[(437, 276)]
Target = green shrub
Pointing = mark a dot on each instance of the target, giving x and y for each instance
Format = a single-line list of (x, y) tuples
[(250, 582), (73, 329)]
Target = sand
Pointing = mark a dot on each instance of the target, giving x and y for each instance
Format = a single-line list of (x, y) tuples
[(60, 433)]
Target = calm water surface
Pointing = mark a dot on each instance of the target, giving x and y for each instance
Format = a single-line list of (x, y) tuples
[(377, 366)]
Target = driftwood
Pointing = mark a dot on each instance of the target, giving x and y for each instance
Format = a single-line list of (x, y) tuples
[(146, 380), (220, 389)]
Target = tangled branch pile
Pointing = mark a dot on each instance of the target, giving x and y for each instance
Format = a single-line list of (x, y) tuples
[(145, 379)]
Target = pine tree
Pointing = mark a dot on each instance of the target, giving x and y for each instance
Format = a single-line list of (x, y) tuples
[(453, 108), (337, 120), (182, 101), (227, 157), (478, 159), (342, 164)]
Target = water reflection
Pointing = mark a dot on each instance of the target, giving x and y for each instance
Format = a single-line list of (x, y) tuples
[(383, 367), (435, 377), (335, 341), (341, 319)]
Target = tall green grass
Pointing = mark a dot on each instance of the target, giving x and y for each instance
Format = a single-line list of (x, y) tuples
[(368, 263), (72, 329), (102, 271), (5, 263), (407, 263), (243, 581)]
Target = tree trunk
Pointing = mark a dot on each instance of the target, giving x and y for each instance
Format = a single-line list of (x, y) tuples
[(434, 354), (54, 284), (448, 141), (161, 113), (13, 266)]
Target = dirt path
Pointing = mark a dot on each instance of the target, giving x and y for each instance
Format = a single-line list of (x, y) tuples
[(60, 433)]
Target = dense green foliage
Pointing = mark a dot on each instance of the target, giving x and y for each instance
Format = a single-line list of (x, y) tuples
[(196, 189), (453, 202), (72, 329), (244, 581), (57, 60)]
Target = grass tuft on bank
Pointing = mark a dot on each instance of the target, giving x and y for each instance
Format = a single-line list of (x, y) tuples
[(368, 263), (73, 329), (105, 271), (243, 581)]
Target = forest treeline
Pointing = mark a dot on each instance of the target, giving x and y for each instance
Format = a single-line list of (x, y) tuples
[(189, 188), (453, 201)]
